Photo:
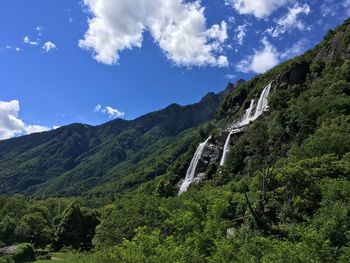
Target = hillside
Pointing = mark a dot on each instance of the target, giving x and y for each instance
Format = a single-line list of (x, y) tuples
[(76, 158), (282, 194)]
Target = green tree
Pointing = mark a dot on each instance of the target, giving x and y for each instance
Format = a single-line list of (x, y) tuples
[(7, 230), (34, 228), (76, 228)]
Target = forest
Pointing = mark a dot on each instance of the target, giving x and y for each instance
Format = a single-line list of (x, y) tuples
[(282, 196)]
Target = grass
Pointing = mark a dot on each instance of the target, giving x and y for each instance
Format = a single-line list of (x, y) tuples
[(61, 257)]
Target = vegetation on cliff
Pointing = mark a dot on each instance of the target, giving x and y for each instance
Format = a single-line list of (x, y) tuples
[(282, 196)]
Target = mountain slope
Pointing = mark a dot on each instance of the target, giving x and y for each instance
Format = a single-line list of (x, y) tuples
[(75, 158), (307, 93), (283, 193)]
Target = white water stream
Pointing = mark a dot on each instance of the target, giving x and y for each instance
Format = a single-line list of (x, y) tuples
[(190, 174), (249, 116)]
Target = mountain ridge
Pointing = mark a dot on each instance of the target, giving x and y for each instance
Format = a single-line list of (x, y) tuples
[(77, 143)]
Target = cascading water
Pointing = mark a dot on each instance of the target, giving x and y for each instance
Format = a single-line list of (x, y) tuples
[(235, 129), (190, 174), (263, 102), (247, 118), (226, 149)]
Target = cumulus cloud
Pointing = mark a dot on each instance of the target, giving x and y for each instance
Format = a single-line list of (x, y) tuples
[(240, 33), (290, 20), (111, 112), (268, 56), (258, 8), (11, 125), (178, 28), (296, 49), (28, 41), (48, 46), (35, 128), (261, 61)]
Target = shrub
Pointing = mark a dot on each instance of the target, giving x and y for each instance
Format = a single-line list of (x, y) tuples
[(317, 67), (345, 70), (6, 259), (24, 253)]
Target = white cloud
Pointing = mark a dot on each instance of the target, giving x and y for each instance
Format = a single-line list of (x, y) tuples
[(48, 46), (218, 32), (296, 49), (290, 20), (39, 29), (261, 61), (268, 56), (258, 8), (114, 113), (9, 47), (98, 108), (178, 28), (28, 41), (232, 20), (240, 33), (111, 112), (11, 125), (231, 76), (35, 128), (346, 5), (335, 8)]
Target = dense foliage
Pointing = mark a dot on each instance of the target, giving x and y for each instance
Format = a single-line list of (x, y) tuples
[(74, 159), (282, 196)]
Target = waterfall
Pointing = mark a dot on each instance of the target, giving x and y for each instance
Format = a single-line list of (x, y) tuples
[(235, 129), (263, 102), (247, 118), (226, 149), (190, 174)]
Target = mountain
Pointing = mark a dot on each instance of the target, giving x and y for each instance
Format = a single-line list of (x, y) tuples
[(75, 158), (121, 155), (282, 193)]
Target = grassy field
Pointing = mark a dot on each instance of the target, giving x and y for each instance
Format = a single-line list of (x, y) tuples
[(66, 258)]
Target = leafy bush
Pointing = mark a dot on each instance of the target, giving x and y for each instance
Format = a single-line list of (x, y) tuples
[(24, 253)]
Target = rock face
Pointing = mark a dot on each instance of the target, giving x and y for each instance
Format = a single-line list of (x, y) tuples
[(337, 47), (212, 153), (231, 232), (231, 87), (8, 250), (295, 75), (209, 158), (19, 253)]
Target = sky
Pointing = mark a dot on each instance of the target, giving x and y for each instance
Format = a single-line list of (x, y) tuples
[(91, 61)]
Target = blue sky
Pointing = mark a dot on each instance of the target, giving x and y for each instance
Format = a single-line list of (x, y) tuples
[(90, 61)]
